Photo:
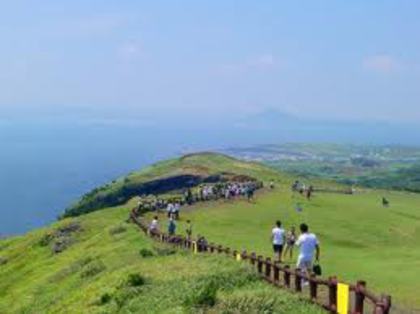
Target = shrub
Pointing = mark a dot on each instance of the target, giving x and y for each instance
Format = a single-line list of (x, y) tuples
[(105, 298), (93, 269), (204, 295), (46, 239), (146, 253), (135, 280)]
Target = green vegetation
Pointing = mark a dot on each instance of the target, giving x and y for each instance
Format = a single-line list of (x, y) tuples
[(360, 239), (98, 263), (103, 272), (387, 167)]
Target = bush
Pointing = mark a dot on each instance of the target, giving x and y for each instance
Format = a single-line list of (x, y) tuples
[(105, 298), (93, 269), (46, 239), (146, 253), (203, 295), (135, 280)]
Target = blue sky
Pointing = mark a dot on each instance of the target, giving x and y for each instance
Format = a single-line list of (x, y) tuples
[(213, 60)]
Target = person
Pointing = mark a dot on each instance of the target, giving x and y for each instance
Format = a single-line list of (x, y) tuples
[(250, 193), (170, 209), (385, 202), (277, 237), (176, 209), (290, 242), (308, 244), (309, 192), (188, 229), (171, 226), (154, 225), (271, 184)]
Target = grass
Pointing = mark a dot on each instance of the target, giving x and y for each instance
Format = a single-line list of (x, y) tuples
[(111, 267), (107, 266), (360, 239)]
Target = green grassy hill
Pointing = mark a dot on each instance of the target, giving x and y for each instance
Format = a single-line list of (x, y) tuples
[(110, 267), (98, 263)]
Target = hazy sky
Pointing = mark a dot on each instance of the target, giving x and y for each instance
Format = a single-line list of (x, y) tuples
[(353, 60)]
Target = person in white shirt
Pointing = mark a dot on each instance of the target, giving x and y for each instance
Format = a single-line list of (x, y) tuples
[(154, 225), (278, 237), (170, 209), (309, 246)]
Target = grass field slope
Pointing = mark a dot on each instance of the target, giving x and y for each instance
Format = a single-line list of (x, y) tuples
[(98, 263), (108, 266)]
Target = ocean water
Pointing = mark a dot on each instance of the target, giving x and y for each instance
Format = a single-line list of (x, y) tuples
[(44, 167)]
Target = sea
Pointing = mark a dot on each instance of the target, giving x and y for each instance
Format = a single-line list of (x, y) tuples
[(46, 166)]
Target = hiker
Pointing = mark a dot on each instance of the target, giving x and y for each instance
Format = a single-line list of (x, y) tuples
[(170, 209), (188, 229), (154, 226), (309, 192), (175, 211), (308, 244), (171, 226), (250, 193), (385, 202), (290, 242), (277, 237)]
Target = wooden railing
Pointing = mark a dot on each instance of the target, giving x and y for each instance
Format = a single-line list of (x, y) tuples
[(282, 276)]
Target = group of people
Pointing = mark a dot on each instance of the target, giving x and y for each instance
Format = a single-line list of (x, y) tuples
[(204, 192), (284, 242), (300, 187), (154, 227)]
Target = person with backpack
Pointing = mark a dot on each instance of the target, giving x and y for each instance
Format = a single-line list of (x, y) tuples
[(277, 238), (309, 248)]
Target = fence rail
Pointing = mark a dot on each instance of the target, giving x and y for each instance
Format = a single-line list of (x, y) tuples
[(282, 276)]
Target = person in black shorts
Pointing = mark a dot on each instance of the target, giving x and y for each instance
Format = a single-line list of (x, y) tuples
[(278, 237)]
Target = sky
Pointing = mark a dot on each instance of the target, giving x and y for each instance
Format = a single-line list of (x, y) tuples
[(158, 61)]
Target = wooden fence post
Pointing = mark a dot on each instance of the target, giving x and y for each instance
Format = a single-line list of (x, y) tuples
[(359, 299), (219, 249), (259, 264), (298, 280), (244, 255), (313, 285), (268, 268), (332, 293), (384, 305), (234, 254), (276, 273), (287, 276)]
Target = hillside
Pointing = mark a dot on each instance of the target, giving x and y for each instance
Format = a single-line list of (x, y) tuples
[(98, 263), (165, 177)]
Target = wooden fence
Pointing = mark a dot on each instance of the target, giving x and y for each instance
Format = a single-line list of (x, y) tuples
[(282, 276)]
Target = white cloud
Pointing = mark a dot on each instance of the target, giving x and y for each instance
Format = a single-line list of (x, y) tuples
[(381, 63)]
